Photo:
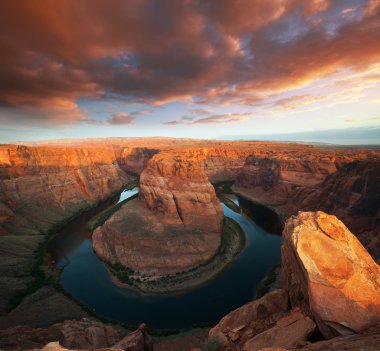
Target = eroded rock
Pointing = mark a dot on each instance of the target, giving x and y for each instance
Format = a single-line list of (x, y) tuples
[(329, 274), (290, 331), (251, 319)]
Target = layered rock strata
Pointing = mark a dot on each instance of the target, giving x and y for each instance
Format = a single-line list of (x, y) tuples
[(273, 180), (351, 194), (176, 188), (40, 188), (173, 227), (338, 185)]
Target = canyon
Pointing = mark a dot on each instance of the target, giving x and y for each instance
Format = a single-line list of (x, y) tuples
[(176, 225)]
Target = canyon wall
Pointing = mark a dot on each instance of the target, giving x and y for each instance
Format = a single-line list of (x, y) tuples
[(275, 179), (219, 163), (42, 186), (344, 185), (133, 160)]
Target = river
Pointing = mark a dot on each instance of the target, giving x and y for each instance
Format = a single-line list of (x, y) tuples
[(85, 277)]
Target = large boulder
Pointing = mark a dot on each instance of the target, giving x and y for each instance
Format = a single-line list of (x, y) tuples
[(329, 274)]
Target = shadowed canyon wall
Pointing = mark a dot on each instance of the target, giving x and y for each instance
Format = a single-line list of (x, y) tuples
[(344, 185), (40, 187)]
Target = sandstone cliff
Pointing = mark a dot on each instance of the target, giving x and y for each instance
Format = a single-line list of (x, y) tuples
[(177, 188), (275, 179), (352, 194), (173, 227), (333, 285), (335, 184), (42, 186)]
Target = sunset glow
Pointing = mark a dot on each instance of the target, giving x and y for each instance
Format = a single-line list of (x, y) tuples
[(196, 68)]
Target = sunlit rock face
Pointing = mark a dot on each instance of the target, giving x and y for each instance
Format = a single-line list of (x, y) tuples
[(329, 274), (174, 226), (41, 187), (177, 187)]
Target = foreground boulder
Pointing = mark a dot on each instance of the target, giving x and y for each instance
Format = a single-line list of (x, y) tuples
[(329, 274)]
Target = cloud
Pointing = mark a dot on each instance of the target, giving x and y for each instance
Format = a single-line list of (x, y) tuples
[(55, 53), (218, 119), (358, 120), (121, 118), (296, 101), (348, 10)]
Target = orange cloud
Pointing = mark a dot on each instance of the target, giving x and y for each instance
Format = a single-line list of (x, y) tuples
[(55, 53)]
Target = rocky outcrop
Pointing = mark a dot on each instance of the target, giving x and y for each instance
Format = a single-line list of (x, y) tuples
[(242, 324), (329, 274), (135, 238), (335, 184), (40, 187), (291, 331), (351, 194), (275, 179), (133, 160), (333, 286), (72, 334), (176, 188), (138, 340), (84, 334)]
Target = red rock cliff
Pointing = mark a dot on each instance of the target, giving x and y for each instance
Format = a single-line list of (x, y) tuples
[(41, 187), (177, 187)]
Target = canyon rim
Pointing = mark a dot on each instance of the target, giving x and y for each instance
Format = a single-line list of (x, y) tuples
[(196, 175)]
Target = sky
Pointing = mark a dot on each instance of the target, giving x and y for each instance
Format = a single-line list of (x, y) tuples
[(190, 68)]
